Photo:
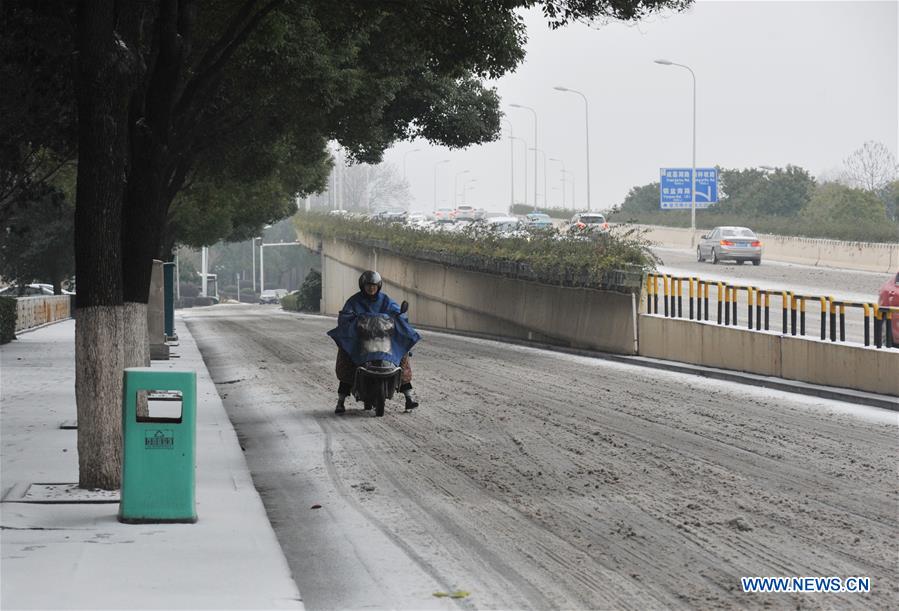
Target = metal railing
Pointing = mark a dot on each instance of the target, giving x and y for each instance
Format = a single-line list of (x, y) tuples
[(876, 319)]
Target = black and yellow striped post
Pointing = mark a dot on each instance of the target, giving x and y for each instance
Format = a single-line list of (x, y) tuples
[(878, 330), (749, 307), (758, 308), (680, 297), (793, 304), (726, 305), (802, 315), (823, 317), (733, 303), (665, 295), (785, 299), (767, 310), (890, 340), (705, 298), (655, 293), (692, 294), (842, 322), (722, 297), (673, 297), (833, 319), (866, 310)]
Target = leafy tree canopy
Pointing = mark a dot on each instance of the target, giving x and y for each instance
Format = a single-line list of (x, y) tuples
[(762, 192), (36, 241), (642, 199), (837, 211)]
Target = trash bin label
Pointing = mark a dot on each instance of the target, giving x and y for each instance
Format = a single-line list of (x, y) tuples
[(160, 439)]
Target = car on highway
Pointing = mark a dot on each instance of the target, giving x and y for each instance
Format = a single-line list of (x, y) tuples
[(445, 215), (588, 221), (888, 296), (269, 296), (738, 244), (465, 213), (507, 226), (538, 220)]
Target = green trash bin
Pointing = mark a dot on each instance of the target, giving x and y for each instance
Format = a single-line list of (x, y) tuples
[(159, 457)]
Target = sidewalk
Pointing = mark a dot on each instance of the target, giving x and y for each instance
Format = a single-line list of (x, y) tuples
[(77, 555)]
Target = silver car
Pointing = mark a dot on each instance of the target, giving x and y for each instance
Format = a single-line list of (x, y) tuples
[(730, 243)]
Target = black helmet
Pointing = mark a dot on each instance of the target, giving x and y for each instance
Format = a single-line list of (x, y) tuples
[(370, 277)]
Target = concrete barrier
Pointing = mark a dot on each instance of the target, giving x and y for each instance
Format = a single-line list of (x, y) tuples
[(866, 256), (455, 299), (841, 365), (42, 309)]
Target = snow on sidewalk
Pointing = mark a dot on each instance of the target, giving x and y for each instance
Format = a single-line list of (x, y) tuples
[(78, 555)]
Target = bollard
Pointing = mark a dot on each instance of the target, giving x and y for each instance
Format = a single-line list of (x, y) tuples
[(692, 295), (159, 456), (866, 320), (823, 301), (833, 320), (705, 299)]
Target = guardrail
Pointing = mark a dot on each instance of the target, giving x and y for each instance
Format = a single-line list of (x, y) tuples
[(876, 319)]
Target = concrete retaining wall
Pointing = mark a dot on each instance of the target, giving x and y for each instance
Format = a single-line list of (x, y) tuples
[(454, 299), (841, 365), (867, 256), (40, 310)]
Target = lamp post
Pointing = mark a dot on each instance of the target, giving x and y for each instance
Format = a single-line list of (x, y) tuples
[(542, 152), (467, 185), (253, 248), (456, 186), (586, 134), (406, 154), (525, 158), (511, 166), (436, 165), (562, 174), (666, 62), (533, 112)]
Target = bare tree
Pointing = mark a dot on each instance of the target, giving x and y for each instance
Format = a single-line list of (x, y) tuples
[(871, 167), (375, 187)]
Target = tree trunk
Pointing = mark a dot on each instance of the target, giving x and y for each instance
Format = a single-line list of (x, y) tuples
[(137, 344), (99, 360), (103, 82)]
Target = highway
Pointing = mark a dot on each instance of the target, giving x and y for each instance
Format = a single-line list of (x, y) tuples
[(531, 479)]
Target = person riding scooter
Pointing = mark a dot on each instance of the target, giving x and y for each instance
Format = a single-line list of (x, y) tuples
[(369, 300)]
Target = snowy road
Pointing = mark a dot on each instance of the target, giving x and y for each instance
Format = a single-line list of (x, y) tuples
[(533, 479)]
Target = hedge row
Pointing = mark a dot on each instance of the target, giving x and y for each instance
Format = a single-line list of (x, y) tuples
[(8, 315), (616, 260)]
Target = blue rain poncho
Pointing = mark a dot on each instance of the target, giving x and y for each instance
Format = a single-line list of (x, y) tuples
[(347, 333)]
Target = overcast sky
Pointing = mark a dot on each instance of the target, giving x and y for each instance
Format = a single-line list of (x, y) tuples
[(802, 83)]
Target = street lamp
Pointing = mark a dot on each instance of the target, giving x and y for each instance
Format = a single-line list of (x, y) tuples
[(467, 185), (456, 186), (511, 166), (563, 178), (436, 165), (666, 62), (534, 112), (525, 158), (404, 161), (586, 133), (542, 152), (253, 248)]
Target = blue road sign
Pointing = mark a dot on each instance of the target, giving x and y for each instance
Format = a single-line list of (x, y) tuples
[(674, 187)]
